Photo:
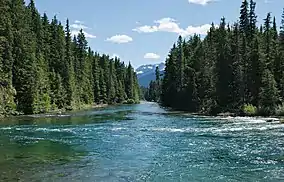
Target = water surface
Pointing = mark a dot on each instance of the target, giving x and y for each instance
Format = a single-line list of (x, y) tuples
[(140, 143)]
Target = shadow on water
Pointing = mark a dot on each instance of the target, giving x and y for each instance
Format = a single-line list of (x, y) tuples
[(87, 117), (19, 158), (31, 145)]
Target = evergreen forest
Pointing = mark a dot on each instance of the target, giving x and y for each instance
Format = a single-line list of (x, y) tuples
[(44, 68), (236, 68)]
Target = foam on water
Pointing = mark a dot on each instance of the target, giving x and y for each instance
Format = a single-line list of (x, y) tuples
[(150, 147)]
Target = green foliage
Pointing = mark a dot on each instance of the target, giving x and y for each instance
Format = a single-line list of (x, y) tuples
[(249, 110), (129, 101), (153, 93), (268, 94), (280, 110), (233, 65), (42, 69)]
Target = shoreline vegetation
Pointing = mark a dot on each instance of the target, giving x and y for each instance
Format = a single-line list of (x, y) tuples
[(59, 112), (45, 68), (235, 69)]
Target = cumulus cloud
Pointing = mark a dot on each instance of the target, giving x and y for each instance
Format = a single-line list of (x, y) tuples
[(77, 26), (78, 22), (171, 25), (201, 2), (191, 30), (151, 56), (87, 35), (119, 39)]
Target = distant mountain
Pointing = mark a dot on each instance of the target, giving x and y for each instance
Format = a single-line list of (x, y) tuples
[(146, 73)]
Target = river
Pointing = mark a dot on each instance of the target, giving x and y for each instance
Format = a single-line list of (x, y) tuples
[(140, 143)]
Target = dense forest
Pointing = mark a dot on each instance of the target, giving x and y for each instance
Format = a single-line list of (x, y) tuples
[(44, 68), (235, 68)]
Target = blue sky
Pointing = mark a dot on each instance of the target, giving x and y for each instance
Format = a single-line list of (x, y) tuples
[(143, 31)]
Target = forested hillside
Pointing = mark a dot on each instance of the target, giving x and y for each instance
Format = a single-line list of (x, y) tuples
[(44, 68), (237, 67)]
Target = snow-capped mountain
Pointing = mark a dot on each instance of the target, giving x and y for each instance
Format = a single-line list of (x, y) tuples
[(146, 73)]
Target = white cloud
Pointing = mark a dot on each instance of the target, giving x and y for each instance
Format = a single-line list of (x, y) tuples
[(78, 26), (171, 25), (201, 2), (120, 39), (146, 29), (190, 30), (164, 25), (168, 25), (151, 56), (87, 35), (78, 22)]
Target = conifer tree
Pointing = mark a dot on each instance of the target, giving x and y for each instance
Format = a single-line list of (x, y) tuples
[(68, 73), (244, 18), (96, 78), (268, 93), (41, 69), (129, 84)]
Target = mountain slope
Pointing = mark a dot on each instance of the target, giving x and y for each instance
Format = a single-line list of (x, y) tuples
[(146, 73)]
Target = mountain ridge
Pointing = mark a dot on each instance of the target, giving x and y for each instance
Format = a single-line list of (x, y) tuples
[(146, 73)]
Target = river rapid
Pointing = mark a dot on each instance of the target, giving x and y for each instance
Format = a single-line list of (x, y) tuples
[(141, 142)]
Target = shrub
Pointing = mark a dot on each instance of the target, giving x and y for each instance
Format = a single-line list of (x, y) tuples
[(280, 110), (129, 101), (266, 111), (249, 110)]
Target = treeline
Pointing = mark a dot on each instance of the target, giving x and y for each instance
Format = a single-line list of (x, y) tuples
[(153, 91), (44, 68), (237, 68)]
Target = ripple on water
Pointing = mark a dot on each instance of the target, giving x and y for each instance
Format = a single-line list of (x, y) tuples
[(144, 143)]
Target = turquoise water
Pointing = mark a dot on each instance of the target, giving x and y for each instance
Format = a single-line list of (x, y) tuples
[(140, 143)]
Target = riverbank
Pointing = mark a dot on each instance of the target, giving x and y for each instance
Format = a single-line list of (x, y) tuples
[(255, 114), (60, 111)]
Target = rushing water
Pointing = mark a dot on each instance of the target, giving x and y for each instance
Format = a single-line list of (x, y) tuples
[(140, 143)]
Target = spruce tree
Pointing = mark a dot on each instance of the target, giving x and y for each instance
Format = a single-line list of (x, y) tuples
[(129, 84), (223, 67), (268, 94), (245, 17), (96, 78), (24, 72)]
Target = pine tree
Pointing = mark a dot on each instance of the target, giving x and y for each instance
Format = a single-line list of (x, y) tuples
[(24, 72), (96, 78), (268, 42), (281, 58), (7, 91), (181, 63), (68, 73), (103, 89), (112, 84), (81, 69), (268, 94), (230, 68), (41, 69), (252, 20), (41, 102), (169, 85), (191, 95), (244, 18), (223, 67), (237, 87), (129, 84)]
